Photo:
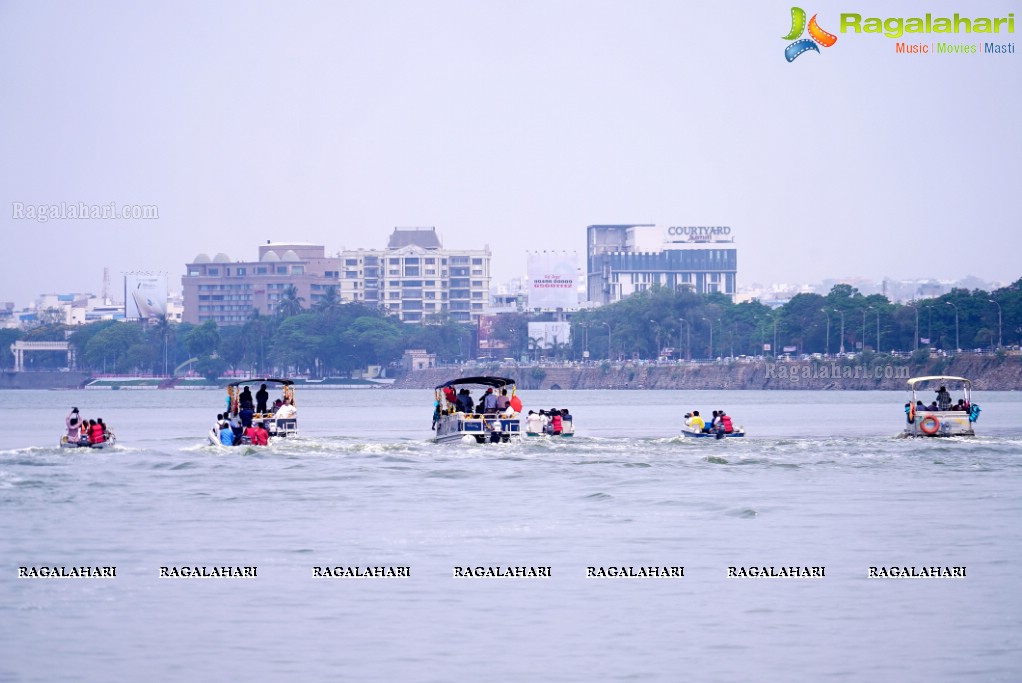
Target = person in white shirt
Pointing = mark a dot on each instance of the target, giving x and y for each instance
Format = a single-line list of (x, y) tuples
[(286, 410), (534, 423)]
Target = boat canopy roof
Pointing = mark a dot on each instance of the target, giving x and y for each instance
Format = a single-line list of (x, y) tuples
[(258, 380), (497, 382), (937, 378)]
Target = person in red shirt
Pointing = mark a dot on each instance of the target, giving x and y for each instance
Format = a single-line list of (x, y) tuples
[(95, 432), (262, 436)]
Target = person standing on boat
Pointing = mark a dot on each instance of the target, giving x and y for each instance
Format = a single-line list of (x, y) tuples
[(74, 427), (262, 396), (464, 403), (943, 399), (245, 400), (503, 401), (489, 402)]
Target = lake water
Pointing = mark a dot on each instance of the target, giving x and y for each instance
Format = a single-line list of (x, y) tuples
[(820, 482)]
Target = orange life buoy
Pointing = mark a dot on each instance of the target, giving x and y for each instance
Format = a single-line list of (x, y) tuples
[(929, 425)]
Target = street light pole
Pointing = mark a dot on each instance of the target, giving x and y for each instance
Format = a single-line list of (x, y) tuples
[(878, 330), (688, 329), (915, 345), (774, 347), (841, 345), (609, 341), (958, 346), (999, 342), (863, 342), (826, 345)]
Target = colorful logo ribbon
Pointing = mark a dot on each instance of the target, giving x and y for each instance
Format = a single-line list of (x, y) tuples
[(798, 26)]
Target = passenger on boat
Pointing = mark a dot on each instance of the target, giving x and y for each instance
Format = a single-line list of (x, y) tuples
[(245, 400), (106, 431), (450, 396), (556, 423), (724, 420), (73, 424), (286, 410), (246, 416), (276, 405), (943, 399), (226, 433), (712, 427), (95, 432), (694, 422), (436, 413), (489, 402), (464, 402), (252, 434), (534, 423), (262, 396), (236, 428), (568, 423), (932, 407), (503, 401)]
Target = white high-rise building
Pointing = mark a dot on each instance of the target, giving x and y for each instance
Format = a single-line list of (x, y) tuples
[(417, 279)]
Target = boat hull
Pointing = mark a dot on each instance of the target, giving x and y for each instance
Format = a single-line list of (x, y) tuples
[(941, 423), (110, 442), (737, 434), (467, 428)]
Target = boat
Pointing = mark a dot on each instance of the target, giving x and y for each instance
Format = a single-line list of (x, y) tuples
[(454, 423), (279, 423), (943, 416), (538, 424), (693, 434), (109, 442), (687, 430), (80, 439)]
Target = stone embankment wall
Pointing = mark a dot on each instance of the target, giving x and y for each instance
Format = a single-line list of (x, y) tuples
[(42, 380), (987, 373)]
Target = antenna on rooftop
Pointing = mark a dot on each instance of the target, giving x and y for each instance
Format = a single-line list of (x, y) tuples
[(106, 285)]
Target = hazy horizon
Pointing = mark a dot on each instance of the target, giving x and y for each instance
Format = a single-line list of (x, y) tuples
[(512, 126)]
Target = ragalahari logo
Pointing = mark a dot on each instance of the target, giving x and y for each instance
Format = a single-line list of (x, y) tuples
[(798, 26)]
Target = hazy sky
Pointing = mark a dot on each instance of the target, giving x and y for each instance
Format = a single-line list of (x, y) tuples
[(513, 124)]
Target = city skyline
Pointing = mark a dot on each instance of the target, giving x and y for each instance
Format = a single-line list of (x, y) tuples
[(513, 128)]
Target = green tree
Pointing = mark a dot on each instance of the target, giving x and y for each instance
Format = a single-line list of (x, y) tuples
[(204, 340)]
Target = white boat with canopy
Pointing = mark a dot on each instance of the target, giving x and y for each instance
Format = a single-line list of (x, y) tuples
[(458, 418), (950, 413)]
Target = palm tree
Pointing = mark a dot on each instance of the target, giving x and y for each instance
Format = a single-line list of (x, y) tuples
[(290, 303), (535, 347), (329, 302), (163, 331)]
